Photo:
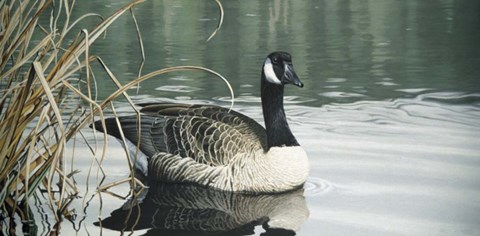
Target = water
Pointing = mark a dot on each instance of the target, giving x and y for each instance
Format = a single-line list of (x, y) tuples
[(389, 114)]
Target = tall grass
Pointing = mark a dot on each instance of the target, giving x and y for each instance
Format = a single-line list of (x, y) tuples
[(40, 78)]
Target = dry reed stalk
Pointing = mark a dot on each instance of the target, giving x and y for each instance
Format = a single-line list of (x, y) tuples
[(33, 105), (36, 94)]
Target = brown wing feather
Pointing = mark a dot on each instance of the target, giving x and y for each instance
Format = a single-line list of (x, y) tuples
[(209, 134)]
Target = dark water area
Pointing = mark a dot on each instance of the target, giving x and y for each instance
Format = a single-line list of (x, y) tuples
[(389, 115), (344, 51)]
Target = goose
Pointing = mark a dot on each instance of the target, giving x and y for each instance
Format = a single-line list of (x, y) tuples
[(216, 147)]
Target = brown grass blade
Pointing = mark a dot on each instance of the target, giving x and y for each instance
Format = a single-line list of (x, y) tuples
[(220, 20)]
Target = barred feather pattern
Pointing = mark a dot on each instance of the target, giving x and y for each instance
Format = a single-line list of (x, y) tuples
[(206, 210), (183, 207), (212, 146), (276, 171)]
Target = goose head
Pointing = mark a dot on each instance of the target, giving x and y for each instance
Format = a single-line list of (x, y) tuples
[(278, 70)]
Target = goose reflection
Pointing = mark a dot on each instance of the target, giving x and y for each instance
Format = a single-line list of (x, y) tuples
[(170, 209)]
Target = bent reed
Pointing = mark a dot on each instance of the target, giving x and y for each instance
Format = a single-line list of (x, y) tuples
[(47, 95)]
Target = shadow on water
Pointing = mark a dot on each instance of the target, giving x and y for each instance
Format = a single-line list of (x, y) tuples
[(170, 209)]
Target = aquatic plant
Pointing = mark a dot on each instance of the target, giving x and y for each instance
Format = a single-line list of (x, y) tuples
[(47, 95)]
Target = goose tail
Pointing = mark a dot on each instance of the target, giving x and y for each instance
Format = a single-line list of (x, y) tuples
[(138, 140)]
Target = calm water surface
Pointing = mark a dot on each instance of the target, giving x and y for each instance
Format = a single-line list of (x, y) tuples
[(389, 114)]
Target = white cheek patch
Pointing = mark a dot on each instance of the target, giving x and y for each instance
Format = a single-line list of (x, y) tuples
[(269, 73)]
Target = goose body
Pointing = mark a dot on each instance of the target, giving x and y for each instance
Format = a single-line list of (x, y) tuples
[(216, 147)]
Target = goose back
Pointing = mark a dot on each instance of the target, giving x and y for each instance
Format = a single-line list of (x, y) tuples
[(208, 134)]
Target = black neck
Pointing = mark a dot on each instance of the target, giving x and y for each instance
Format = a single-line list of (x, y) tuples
[(278, 131)]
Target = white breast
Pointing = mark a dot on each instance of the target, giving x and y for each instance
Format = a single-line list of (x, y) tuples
[(289, 163), (280, 169)]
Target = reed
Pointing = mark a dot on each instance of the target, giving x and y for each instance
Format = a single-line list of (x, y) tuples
[(41, 76)]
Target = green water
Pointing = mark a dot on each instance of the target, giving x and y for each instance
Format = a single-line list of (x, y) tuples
[(343, 50)]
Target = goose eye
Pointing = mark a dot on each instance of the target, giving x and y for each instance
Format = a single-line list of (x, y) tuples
[(275, 60)]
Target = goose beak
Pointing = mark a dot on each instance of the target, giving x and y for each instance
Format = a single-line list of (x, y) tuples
[(290, 77)]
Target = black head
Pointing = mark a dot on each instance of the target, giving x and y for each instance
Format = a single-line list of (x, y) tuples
[(278, 69)]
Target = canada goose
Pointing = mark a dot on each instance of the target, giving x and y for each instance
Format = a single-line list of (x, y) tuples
[(212, 146)]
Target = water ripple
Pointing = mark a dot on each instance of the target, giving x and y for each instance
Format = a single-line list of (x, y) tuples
[(177, 88), (452, 98), (426, 110), (316, 186), (338, 94), (255, 99)]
